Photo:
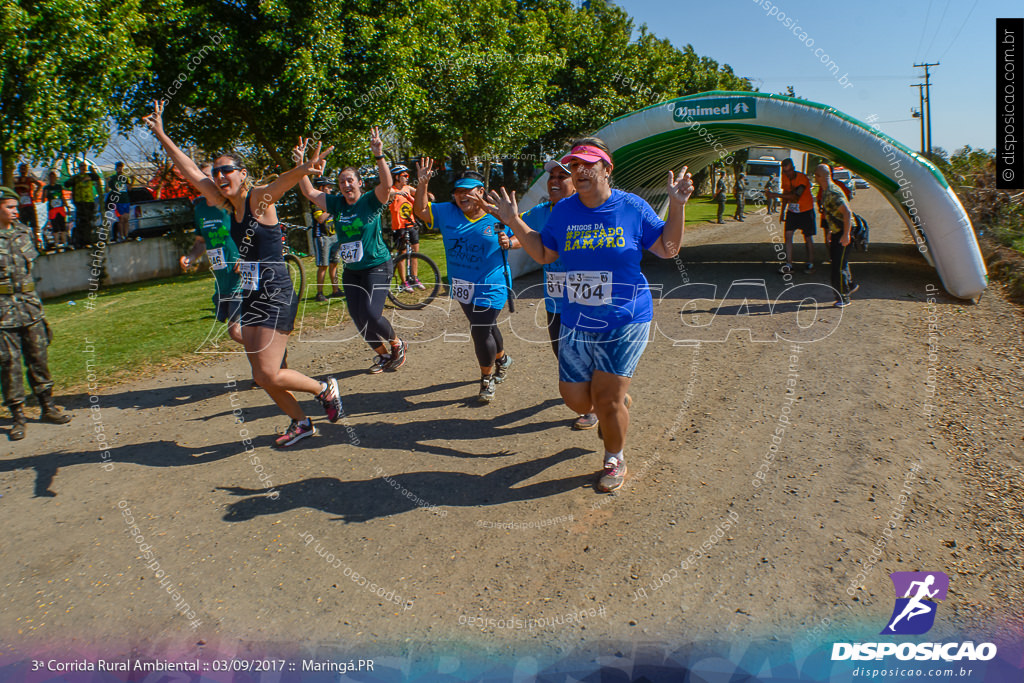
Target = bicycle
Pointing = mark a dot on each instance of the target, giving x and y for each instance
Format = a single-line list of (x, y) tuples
[(291, 258), (408, 261)]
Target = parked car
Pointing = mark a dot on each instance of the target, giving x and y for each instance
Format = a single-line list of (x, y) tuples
[(859, 183), (151, 217), (842, 175)]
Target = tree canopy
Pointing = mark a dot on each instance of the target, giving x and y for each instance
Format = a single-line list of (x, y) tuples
[(485, 79)]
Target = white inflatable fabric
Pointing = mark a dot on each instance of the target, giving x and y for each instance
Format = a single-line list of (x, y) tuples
[(699, 129)]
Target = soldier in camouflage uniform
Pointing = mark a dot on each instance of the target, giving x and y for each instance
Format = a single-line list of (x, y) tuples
[(23, 330)]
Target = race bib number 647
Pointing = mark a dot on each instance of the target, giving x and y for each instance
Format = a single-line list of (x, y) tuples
[(589, 287)]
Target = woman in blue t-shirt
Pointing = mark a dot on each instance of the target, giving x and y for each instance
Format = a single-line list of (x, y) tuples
[(478, 275), (600, 234)]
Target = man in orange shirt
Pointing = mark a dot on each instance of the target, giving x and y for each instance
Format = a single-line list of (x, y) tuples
[(403, 222), (799, 203)]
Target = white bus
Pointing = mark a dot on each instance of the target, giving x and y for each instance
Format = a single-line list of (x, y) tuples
[(758, 172)]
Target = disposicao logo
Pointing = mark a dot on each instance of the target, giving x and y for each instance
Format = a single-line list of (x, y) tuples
[(914, 612)]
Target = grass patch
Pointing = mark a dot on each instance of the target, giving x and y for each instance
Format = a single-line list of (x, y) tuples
[(158, 324), (705, 210)]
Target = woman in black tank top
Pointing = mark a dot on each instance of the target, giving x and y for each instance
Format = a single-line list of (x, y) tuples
[(268, 298)]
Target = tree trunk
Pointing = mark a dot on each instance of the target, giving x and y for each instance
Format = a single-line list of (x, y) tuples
[(509, 178), (7, 162)]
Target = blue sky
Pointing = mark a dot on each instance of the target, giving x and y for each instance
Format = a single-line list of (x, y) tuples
[(875, 42)]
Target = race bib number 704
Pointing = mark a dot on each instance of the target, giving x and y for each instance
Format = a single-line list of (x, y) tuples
[(589, 287)]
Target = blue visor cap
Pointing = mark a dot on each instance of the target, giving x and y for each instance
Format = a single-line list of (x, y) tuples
[(467, 184)]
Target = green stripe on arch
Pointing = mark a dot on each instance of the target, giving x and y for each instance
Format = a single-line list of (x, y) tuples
[(669, 152), (644, 159)]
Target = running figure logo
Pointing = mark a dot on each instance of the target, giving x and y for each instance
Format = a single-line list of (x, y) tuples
[(914, 612)]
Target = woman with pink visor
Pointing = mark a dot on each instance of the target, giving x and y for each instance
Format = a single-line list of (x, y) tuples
[(600, 235)]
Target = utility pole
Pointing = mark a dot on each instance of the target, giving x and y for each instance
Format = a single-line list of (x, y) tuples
[(919, 114), (928, 100)]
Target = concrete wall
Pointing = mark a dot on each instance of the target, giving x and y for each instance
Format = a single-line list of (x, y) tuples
[(133, 261)]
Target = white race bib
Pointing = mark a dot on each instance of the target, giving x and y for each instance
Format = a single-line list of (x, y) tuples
[(352, 252), (24, 199), (250, 272), (556, 285), (56, 203), (793, 207), (462, 291), (589, 287), (216, 256)]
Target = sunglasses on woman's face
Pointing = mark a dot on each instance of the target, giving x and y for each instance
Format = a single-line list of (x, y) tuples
[(224, 170)]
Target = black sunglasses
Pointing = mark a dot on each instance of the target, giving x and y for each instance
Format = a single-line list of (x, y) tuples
[(224, 170)]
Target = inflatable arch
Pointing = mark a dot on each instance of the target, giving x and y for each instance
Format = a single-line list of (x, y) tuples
[(697, 130)]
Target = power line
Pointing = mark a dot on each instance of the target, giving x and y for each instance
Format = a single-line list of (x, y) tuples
[(938, 27), (789, 79), (960, 29), (924, 29)]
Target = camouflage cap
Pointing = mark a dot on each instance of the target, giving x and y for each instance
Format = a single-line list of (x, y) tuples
[(7, 193)]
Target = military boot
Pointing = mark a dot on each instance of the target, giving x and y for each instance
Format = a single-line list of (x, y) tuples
[(51, 411), (17, 432)]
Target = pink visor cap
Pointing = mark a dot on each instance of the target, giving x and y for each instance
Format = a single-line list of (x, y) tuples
[(587, 153)]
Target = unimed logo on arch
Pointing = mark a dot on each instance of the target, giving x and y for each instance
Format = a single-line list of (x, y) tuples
[(715, 109)]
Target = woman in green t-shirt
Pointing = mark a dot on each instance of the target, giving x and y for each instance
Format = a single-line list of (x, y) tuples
[(368, 265)]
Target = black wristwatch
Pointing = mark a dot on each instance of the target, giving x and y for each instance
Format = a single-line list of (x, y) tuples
[(379, 158)]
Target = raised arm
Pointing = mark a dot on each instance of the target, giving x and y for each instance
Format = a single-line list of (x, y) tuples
[(188, 168), (269, 194), (420, 205), (505, 208), (383, 189), (314, 195), (679, 192)]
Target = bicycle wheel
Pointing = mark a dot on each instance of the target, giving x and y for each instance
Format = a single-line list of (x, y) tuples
[(296, 273), (425, 269)]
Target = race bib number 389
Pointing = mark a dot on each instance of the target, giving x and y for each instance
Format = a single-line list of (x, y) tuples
[(462, 291), (589, 287)]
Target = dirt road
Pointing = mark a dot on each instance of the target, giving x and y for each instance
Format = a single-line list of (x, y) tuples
[(785, 461)]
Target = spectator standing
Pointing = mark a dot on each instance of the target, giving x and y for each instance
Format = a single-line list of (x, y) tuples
[(796, 191), (27, 186), (57, 211), (838, 221), (403, 223), (720, 196), (772, 186), (85, 187), (119, 188), (325, 244), (740, 189)]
